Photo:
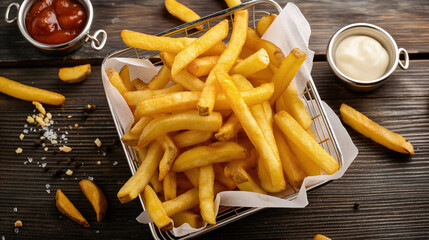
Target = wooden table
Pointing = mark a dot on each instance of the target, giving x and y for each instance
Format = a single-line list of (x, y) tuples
[(392, 189)]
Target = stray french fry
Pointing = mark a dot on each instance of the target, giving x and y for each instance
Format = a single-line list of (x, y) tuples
[(181, 12), (201, 67), (191, 137), (170, 186), (244, 181), (194, 220), (161, 79), (372, 130), (95, 196), (134, 97), (220, 176), (125, 76), (203, 155), (206, 194), (320, 237), (295, 107), (169, 156), (232, 3), (67, 208), (252, 64), (154, 182), (188, 120), (305, 142), (27, 93), (225, 62), (137, 183), (287, 70), (264, 23), (156, 210), (229, 129), (74, 74), (254, 42), (188, 81), (116, 80)]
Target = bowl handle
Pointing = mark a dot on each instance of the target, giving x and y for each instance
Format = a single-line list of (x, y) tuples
[(406, 64), (6, 15), (95, 43)]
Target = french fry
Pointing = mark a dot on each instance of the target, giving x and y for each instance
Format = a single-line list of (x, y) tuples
[(179, 101), (293, 171), (305, 142), (225, 62), (170, 186), (191, 137), (116, 80), (141, 155), (155, 183), (245, 163), (309, 167), (181, 203), (262, 76), (254, 42), (244, 181), (138, 84), (167, 58), (188, 120), (125, 76), (201, 67), (193, 176), (252, 64), (199, 46), (164, 44), (232, 3), (156, 210), (296, 107), (74, 74), (206, 194), (372, 130), (203, 155), (66, 207), (220, 176), (188, 81), (183, 182), (287, 70), (131, 137), (229, 129), (137, 183), (134, 97), (194, 220), (264, 23), (320, 237), (280, 105), (170, 154), (161, 79), (181, 12), (253, 131), (28, 93)]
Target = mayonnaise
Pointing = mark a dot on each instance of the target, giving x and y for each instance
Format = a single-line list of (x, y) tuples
[(361, 58)]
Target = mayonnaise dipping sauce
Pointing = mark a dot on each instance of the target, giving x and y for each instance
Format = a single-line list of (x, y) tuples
[(361, 58)]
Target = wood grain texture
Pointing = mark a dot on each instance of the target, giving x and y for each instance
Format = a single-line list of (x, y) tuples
[(406, 21), (391, 188)]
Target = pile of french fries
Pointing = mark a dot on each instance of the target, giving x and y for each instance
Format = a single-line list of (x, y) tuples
[(215, 129)]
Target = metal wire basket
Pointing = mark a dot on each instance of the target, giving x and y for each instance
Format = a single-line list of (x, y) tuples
[(320, 126)]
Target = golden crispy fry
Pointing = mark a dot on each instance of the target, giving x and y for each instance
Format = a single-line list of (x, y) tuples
[(294, 173), (95, 196), (137, 183), (264, 23), (372, 130), (181, 12), (154, 182), (27, 93), (280, 105), (181, 203), (191, 137), (134, 97), (164, 44), (320, 237), (156, 210), (199, 46), (131, 137), (193, 176), (180, 101), (74, 74), (252, 64), (305, 142), (287, 70), (116, 80), (203, 155), (225, 62), (262, 76), (244, 181), (245, 163), (201, 67), (295, 107), (125, 76), (308, 166), (170, 186), (183, 182), (229, 129), (194, 220), (189, 120), (66, 207), (254, 42), (206, 193), (161, 79), (232, 3), (137, 84), (167, 58), (169, 156), (188, 81), (220, 176), (253, 131)]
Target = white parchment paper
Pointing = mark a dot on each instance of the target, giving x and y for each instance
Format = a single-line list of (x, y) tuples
[(288, 31)]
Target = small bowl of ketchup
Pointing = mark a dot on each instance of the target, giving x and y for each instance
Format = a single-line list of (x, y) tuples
[(57, 26)]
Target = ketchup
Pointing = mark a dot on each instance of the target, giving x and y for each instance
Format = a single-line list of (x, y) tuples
[(55, 21)]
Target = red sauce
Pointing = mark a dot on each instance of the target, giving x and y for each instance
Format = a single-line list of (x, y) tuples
[(55, 21)]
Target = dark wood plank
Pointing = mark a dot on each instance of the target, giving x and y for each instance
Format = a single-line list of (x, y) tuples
[(406, 20), (391, 188)]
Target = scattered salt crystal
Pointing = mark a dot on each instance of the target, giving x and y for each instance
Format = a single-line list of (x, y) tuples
[(25, 125), (43, 158), (15, 209), (115, 163), (51, 122), (30, 159), (90, 178), (63, 136), (48, 190), (66, 132), (44, 165), (48, 185), (16, 230), (97, 231), (25, 162), (104, 154), (3, 238), (25, 131)]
